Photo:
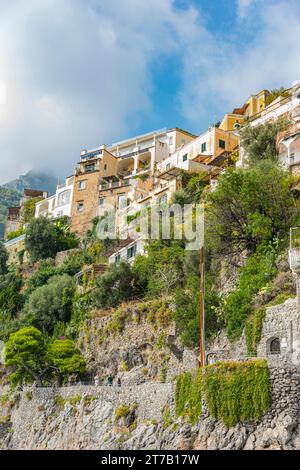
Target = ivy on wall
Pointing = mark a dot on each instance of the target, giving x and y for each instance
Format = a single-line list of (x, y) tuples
[(233, 391), (254, 326)]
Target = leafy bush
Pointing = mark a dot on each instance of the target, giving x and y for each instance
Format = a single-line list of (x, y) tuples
[(66, 358), (45, 238), (11, 299), (237, 391), (258, 271), (249, 207), (259, 142), (115, 286), (31, 357), (25, 352), (50, 304), (3, 259), (188, 399)]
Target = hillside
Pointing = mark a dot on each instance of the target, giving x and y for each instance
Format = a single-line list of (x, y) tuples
[(34, 180), (11, 192), (8, 198)]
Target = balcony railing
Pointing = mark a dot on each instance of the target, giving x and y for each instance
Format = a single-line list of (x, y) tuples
[(289, 132)]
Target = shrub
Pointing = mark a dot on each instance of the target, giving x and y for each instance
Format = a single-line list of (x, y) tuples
[(66, 358), (115, 286), (258, 271), (50, 304), (11, 299), (237, 392), (3, 259), (250, 207), (122, 412)]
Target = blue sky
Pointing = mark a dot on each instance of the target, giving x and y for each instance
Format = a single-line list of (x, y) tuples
[(79, 73)]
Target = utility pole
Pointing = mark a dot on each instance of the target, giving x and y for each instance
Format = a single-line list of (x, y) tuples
[(202, 311)]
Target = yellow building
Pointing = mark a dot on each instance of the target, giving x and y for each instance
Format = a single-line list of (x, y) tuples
[(251, 109)]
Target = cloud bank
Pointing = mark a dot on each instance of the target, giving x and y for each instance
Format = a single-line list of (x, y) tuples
[(79, 73)]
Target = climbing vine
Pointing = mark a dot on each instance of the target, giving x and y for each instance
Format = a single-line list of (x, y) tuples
[(188, 399), (254, 326), (237, 392), (233, 391)]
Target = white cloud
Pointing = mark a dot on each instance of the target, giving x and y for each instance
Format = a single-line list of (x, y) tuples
[(224, 74), (78, 74), (243, 7)]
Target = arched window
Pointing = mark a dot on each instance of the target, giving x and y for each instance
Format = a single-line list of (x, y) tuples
[(275, 346)]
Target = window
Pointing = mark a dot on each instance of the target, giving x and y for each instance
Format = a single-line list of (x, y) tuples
[(163, 200), (203, 147), (292, 158), (63, 198), (131, 252), (122, 201), (222, 144), (105, 166), (102, 201), (81, 185), (275, 346), (89, 168), (80, 206), (185, 157), (117, 259), (170, 141), (168, 166)]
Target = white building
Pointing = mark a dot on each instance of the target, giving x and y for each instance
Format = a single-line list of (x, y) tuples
[(59, 204)]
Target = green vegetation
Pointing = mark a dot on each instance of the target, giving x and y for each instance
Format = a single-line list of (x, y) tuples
[(258, 271), (275, 93), (49, 304), (122, 412), (254, 326), (32, 357), (28, 209), (45, 238), (188, 399), (234, 392), (259, 142), (8, 198), (16, 234), (3, 259), (115, 286)]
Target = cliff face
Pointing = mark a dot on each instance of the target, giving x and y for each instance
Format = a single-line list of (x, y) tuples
[(137, 343), (142, 417)]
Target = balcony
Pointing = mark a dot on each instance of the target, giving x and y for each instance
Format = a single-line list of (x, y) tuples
[(291, 131)]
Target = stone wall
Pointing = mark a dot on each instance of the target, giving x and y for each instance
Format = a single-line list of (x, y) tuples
[(282, 322), (84, 418)]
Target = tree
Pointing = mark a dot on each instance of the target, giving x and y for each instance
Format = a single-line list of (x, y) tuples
[(259, 142), (161, 270), (66, 358), (26, 352), (275, 93), (249, 207), (44, 238), (28, 209), (11, 299), (32, 358), (41, 239), (3, 259), (115, 286), (50, 304)]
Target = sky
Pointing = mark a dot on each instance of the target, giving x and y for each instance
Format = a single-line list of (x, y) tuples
[(75, 74)]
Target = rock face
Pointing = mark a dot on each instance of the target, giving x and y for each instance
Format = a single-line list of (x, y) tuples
[(140, 351), (142, 417)]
